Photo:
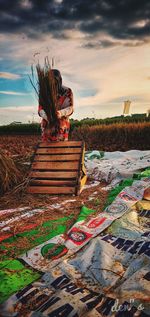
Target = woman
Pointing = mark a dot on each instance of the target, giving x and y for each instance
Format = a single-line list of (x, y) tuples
[(60, 131)]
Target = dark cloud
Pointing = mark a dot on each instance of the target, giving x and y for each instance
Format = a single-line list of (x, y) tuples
[(122, 20), (101, 44), (109, 44)]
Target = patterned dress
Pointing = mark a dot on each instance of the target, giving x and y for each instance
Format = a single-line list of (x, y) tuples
[(65, 108)]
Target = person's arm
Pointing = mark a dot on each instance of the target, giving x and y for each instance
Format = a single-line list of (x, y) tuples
[(42, 113), (67, 105)]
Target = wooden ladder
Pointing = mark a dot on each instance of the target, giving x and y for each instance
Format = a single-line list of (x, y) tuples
[(58, 168)]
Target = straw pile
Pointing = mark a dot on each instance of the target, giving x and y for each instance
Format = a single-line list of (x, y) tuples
[(9, 174), (46, 90)]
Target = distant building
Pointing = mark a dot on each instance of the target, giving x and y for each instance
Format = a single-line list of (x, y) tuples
[(126, 109), (148, 113)]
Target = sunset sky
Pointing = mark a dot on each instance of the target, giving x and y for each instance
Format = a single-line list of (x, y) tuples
[(101, 47)]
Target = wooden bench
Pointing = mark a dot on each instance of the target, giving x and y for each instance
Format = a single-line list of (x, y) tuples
[(58, 168)]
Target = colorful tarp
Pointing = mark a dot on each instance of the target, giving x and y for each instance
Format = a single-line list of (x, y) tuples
[(112, 167), (34, 236), (109, 275), (83, 230), (15, 274)]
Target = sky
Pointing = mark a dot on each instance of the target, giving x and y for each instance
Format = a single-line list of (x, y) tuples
[(101, 47)]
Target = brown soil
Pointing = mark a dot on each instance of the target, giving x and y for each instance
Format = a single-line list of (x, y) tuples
[(53, 207)]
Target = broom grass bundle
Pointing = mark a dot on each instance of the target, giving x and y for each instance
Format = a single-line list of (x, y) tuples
[(9, 174), (46, 91)]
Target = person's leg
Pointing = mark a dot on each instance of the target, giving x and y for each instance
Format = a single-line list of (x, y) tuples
[(53, 134), (48, 134), (66, 131), (64, 128), (44, 130)]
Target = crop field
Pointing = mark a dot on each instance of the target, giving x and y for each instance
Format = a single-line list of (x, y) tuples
[(29, 221), (20, 148), (114, 137), (18, 145)]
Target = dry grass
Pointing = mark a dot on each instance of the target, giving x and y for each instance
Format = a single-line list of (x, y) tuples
[(115, 137), (9, 173), (46, 90)]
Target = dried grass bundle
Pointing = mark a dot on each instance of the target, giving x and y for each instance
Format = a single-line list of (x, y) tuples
[(46, 90), (9, 174)]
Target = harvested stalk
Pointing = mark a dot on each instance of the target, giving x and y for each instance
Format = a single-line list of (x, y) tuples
[(9, 174), (46, 91)]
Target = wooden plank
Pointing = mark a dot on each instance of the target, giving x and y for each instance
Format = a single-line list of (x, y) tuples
[(61, 144), (62, 157), (54, 174), (50, 190), (82, 182), (58, 150), (52, 182), (55, 165)]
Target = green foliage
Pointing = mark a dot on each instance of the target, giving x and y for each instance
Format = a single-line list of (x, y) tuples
[(34, 128), (139, 117), (12, 129)]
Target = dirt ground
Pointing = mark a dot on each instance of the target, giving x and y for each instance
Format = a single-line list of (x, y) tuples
[(21, 149), (53, 207)]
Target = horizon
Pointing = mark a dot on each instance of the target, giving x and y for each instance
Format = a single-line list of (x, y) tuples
[(86, 118), (101, 48)]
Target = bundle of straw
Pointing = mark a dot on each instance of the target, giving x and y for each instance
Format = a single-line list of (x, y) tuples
[(9, 174), (46, 91)]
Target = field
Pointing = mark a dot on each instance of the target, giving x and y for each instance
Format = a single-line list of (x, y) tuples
[(115, 137), (103, 137), (20, 148), (112, 137), (29, 221)]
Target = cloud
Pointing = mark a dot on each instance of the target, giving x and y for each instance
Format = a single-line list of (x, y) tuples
[(13, 93), (132, 98), (23, 114), (101, 47), (105, 43), (26, 4), (100, 44), (10, 76), (125, 19)]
